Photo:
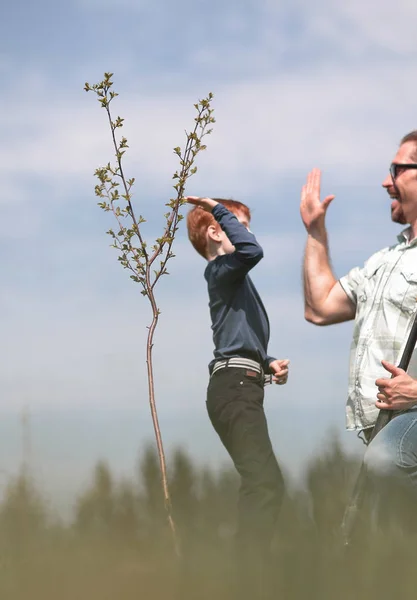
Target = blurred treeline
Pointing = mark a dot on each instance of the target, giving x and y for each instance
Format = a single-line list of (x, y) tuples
[(118, 544)]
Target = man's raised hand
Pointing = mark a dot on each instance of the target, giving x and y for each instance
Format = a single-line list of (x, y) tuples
[(312, 210), (205, 203)]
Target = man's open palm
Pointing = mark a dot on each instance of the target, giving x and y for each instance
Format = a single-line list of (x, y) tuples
[(312, 210)]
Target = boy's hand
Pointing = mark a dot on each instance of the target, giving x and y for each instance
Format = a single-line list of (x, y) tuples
[(205, 203), (280, 371)]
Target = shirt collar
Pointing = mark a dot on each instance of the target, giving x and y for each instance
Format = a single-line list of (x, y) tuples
[(404, 236)]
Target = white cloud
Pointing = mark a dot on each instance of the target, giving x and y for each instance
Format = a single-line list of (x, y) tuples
[(278, 112), (363, 26), (272, 28), (265, 130)]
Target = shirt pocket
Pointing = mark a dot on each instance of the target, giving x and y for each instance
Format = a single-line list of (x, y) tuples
[(402, 290), (371, 277)]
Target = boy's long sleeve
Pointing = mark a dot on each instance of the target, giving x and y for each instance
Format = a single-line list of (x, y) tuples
[(247, 254), (247, 249), (239, 320)]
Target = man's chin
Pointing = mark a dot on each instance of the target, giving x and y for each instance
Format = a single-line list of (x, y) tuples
[(397, 215)]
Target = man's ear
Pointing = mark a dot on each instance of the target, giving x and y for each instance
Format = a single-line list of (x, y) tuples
[(214, 233)]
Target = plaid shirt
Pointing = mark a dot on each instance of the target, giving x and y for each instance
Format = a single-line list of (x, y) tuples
[(384, 292)]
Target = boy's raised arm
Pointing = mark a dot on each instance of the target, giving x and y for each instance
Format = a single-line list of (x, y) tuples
[(247, 250)]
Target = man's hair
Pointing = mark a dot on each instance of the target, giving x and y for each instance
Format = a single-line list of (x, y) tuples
[(199, 220), (411, 137)]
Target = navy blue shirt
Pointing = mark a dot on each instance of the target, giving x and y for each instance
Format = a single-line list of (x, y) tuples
[(239, 320)]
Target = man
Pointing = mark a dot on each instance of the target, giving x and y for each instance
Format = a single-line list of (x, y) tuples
[(381, 296)]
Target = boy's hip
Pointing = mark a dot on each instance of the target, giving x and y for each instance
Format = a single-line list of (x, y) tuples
[(235, 384), (231, 368)]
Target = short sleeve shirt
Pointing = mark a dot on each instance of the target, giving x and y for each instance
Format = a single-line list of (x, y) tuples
[(384, 292)]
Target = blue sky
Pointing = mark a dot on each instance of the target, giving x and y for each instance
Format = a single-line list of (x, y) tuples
[(297, 85)]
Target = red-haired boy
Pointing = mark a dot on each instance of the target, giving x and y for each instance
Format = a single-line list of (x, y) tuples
[(219, 231)]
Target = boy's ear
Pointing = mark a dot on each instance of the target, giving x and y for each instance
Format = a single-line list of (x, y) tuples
[(214, 233)]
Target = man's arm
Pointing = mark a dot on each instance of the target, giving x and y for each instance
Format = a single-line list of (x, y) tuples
[(325, 301)]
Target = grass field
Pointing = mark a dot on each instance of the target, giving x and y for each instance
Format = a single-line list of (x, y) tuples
[(118, 544)]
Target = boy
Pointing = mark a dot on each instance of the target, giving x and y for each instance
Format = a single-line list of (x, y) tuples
[(219, 231)]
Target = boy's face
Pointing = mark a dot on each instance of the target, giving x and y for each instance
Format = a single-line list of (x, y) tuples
[(227, 246)]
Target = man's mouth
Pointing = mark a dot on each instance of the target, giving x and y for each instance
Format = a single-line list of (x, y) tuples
[(394, 197)]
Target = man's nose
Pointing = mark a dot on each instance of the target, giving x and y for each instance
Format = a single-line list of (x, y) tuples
[(388, 182)]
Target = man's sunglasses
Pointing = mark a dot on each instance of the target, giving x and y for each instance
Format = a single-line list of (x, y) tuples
[(396, 169)]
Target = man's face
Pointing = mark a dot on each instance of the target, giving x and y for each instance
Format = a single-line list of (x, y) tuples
[(403, 191)]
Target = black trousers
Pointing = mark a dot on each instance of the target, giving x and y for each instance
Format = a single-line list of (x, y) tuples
[(235, 406)]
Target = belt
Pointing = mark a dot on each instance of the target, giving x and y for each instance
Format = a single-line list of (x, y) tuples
[(239, 363), (242, 363)]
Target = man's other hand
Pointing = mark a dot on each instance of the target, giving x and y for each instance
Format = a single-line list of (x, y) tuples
[(399, 392)]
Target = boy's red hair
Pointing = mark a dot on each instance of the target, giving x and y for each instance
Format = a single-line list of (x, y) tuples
[(199, 220)]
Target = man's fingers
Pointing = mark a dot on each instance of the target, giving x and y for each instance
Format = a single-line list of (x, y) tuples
[(316, 181), (307, 186), (303, 193), (311, 191), (384, 405), (328, 200), (311, 181), (392, 368)]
